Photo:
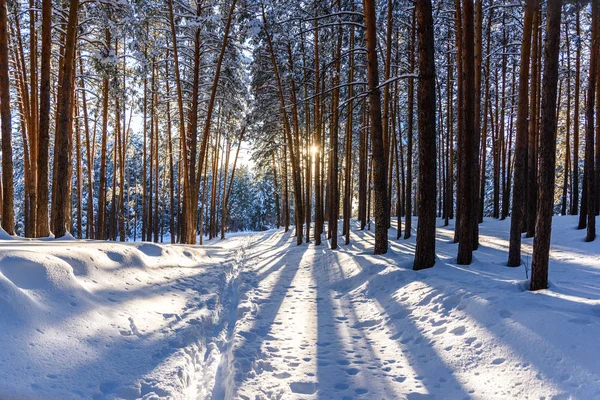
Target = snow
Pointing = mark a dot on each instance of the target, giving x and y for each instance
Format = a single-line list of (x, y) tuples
[(255, 316)]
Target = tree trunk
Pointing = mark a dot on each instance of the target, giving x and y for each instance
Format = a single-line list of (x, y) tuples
[(8, 217), (520, 178), (590, 174), (409, 134), (379, 162), (575, 173), (425, 248), (547, 149), (467, 148), (63, 143), (532, 165)]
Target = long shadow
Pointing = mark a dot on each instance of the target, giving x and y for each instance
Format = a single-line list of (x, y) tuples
[(368, 374), (332, 361), (249, 350), (424, 360)]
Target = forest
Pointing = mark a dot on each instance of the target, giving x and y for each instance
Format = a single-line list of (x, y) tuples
[(124, 120), (312, 199)]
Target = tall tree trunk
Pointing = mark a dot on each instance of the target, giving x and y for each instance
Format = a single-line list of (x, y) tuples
[(318, 153), (379, 162), (590, 174), (363, 187), (450, 139), (469, 152), (547, 156), (101, 231), (8, 216), (308, 152), (409, 134), (576, 122), (63, 143), (386, 107), (349, 133), (89, 146), (186, 223), (425, 248), (477, 59), (460, 128), (532, 165), (79, 174), (567, 164), (486, 110), (520, 178), (334, 192)]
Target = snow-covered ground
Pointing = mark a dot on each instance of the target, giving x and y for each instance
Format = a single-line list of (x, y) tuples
[(255, 317)]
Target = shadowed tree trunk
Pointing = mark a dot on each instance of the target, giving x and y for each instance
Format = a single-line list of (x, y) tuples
[(590, 175), (520, 178), (379, 172), (408, 206), (532, 158), (8, 217), (349, 133), (467, 148), (575, 173), (547, 149), (43, 227), (425, 248)]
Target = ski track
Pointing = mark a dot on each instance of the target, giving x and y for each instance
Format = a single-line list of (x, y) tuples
[(257, 317)]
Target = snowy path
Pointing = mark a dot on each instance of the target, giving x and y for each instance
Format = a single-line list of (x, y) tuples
[(316, 323), (257, 317)]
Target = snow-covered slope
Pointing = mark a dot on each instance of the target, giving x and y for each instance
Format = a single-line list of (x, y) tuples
[(101, 320), (254, 316)]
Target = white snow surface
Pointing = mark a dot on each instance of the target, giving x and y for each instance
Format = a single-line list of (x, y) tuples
[(257, 317)]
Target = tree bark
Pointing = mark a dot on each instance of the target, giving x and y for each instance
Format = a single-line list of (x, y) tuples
[(425, 247), (520, 178), (467, 148), (408, 206), (379, 164), (8, 217), (590, 174), (63, 142), (547, 149)]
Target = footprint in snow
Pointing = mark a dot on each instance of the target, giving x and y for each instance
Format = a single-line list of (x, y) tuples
[(498, 361), (303, 387), (341, 386), (440, 331), (459, 330), (469, 341), (505, 313)]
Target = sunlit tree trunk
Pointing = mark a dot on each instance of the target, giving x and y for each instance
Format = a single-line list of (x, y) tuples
[(63, 144), (8, 218)]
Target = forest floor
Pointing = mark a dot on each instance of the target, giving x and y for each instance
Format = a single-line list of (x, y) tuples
[(256, 317)]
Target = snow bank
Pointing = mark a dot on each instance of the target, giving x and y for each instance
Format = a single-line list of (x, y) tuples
[(84, 319), (256, 316)]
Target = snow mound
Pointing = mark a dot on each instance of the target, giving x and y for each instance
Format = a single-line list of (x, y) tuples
[(37, 272), (5, 236)]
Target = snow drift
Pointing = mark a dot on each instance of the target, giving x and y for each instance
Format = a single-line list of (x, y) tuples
[(255, 316)]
